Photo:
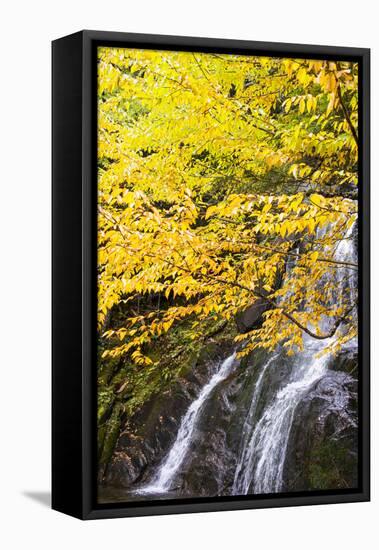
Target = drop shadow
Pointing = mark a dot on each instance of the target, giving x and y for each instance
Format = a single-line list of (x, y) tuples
[(42, 497)]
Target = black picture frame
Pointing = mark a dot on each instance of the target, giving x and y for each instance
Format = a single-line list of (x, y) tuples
[(74, 133)]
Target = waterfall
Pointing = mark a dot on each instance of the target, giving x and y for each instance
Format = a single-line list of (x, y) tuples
[(260, 451), (167, 471), (247, 430), (260, 467), (263, 451)]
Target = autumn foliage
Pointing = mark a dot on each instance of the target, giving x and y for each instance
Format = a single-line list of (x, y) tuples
[(215, 174)]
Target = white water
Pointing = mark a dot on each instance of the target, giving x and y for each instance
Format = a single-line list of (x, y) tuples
[(167, 471), (260, 466), (248, 428), (264, 447)]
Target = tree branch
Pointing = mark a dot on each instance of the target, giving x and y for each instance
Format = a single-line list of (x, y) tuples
[(347, 116), (235, 284)]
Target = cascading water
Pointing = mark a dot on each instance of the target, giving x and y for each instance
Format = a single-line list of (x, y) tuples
[(258, 456), (248, 427), (264, 441), (260, 467), (170, 466)]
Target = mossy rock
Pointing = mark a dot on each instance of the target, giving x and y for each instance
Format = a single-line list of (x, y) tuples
[(332, 465), (322, 450), (109, 434)]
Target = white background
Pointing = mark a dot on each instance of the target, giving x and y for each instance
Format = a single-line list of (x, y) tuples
[(26, 31)]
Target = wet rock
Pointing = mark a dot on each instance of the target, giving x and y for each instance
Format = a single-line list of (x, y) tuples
[(346, 361), (252, 317), (146, 438), (210, 465), (323, 445)]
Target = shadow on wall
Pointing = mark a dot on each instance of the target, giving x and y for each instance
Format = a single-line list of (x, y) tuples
[(41, 497)]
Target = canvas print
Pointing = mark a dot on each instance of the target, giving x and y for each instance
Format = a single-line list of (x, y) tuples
[(227, 275)]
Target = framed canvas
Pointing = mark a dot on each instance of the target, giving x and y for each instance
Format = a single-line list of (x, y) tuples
[(210, 275)]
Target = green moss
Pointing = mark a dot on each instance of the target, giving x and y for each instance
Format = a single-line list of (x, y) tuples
[(109, 434), (123, 388), (105, 400), (330, 465)]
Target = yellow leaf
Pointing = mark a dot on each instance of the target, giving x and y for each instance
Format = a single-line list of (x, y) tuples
[(313, 256)]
